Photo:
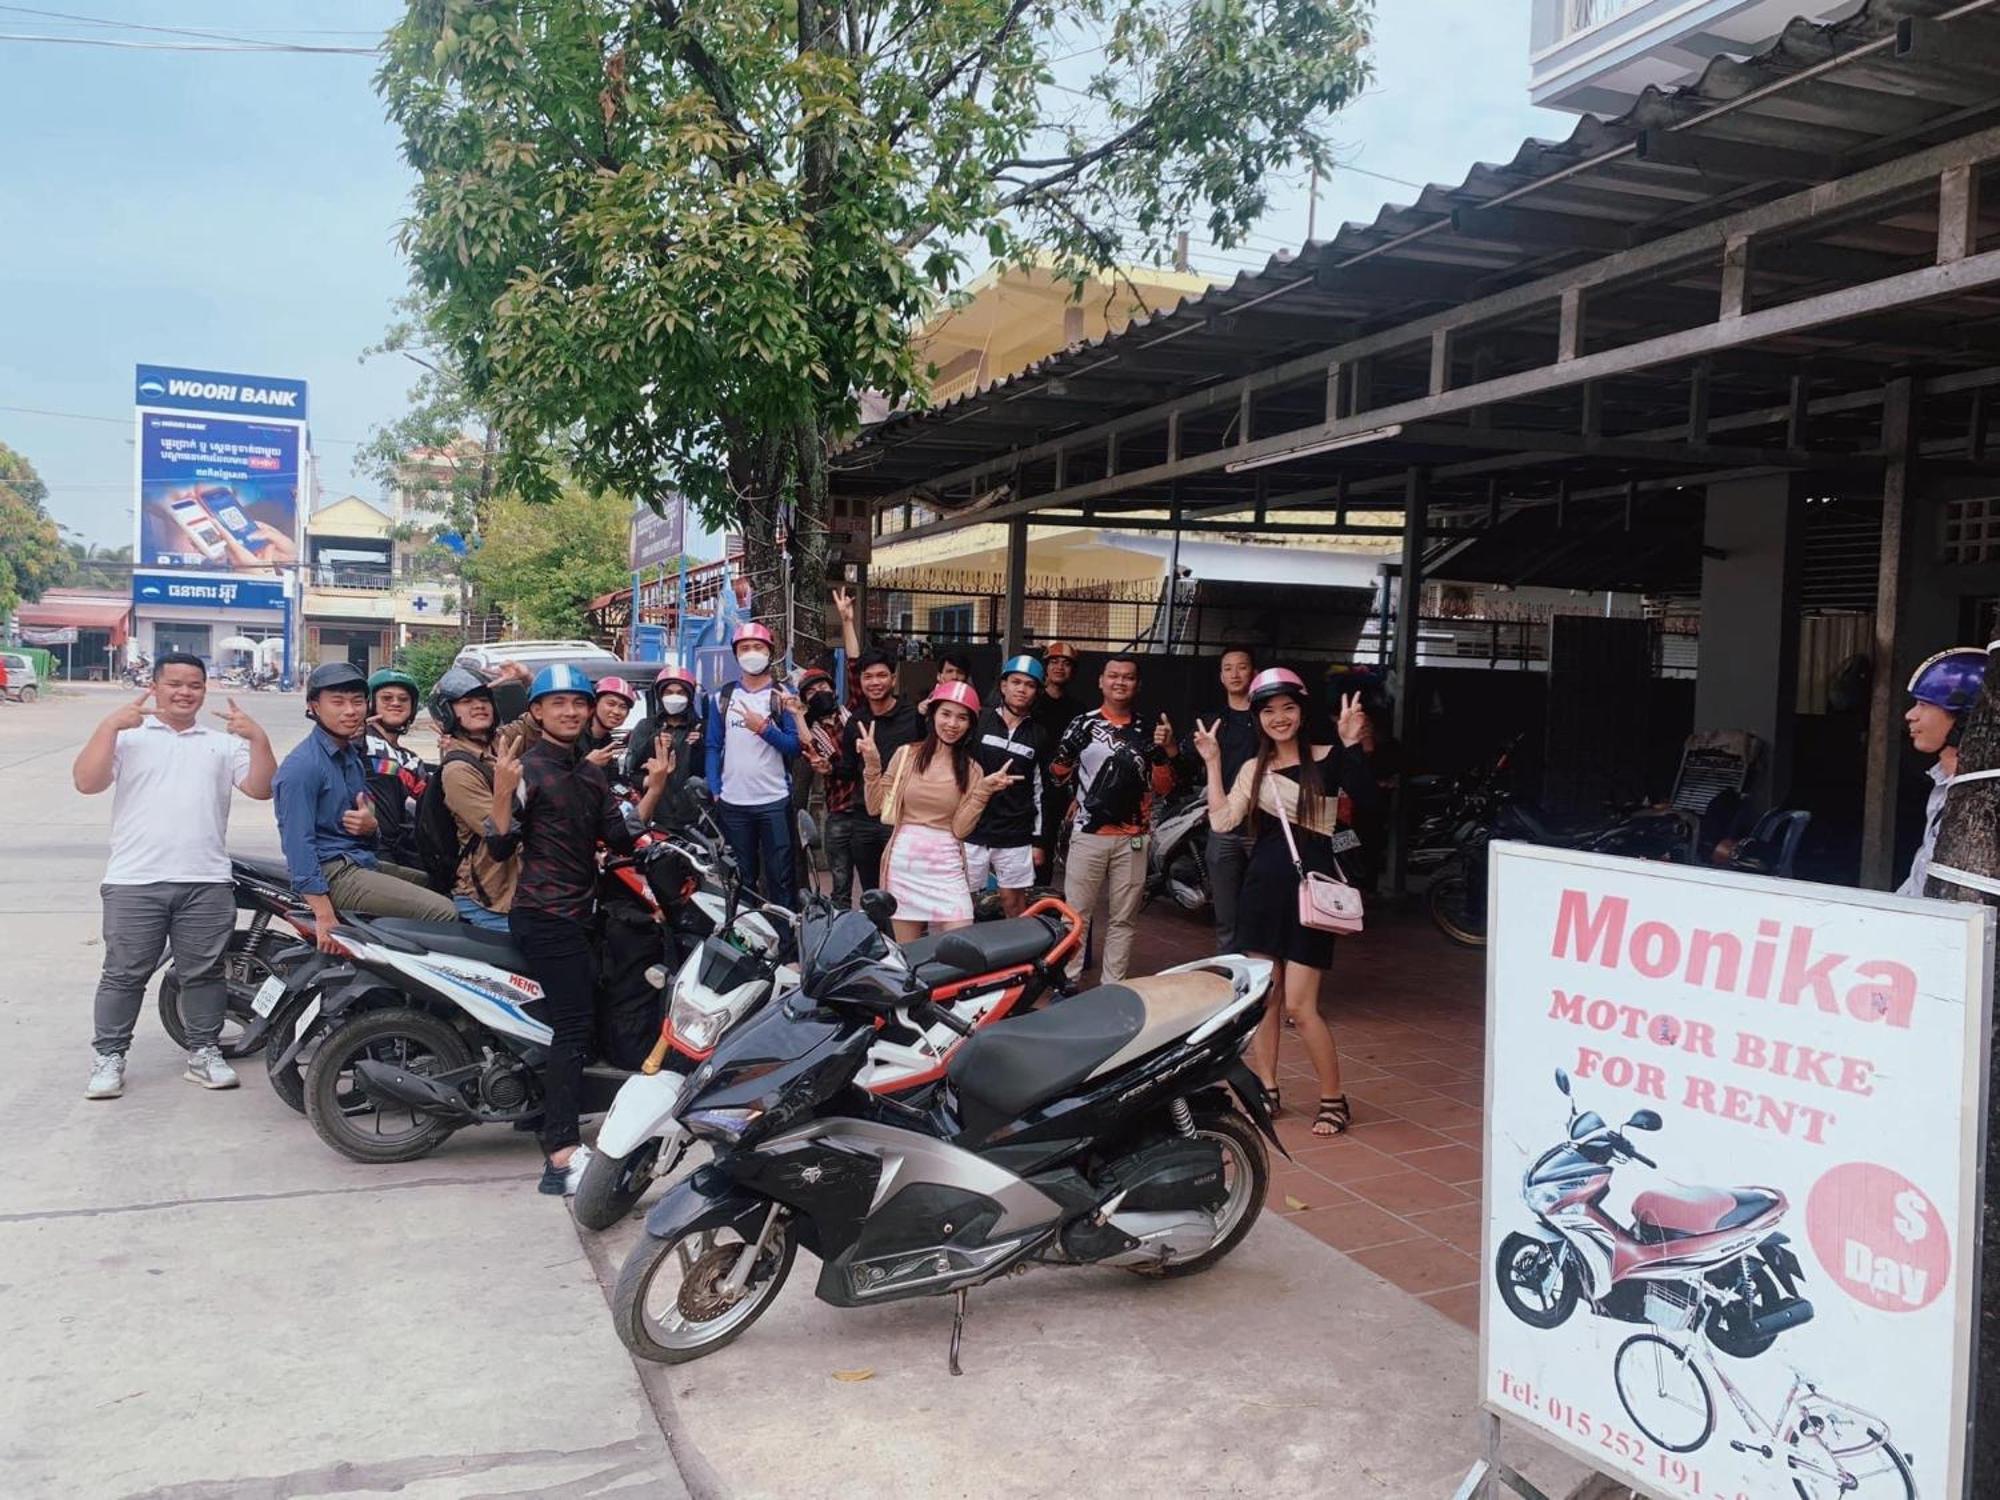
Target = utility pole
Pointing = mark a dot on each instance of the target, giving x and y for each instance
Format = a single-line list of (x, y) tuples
[(1312, 204)]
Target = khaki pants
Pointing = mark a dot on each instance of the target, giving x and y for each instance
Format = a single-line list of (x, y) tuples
[(385, 891), (1098, 861)]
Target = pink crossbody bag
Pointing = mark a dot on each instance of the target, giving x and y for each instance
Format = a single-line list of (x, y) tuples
[(1327, 903)]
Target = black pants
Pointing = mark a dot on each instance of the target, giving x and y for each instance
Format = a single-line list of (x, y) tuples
[(560, 961), (854, 845)]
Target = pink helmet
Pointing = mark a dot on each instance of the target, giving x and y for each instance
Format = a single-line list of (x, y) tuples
[(750, 630), (616, 687), (672, 670), (960, 693), (1276, 682)]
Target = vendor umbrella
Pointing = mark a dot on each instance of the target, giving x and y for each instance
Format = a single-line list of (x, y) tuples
[(236, 643)]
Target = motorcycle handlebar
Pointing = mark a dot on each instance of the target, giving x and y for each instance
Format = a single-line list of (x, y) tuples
[(927, 1010), (1636, 1154)]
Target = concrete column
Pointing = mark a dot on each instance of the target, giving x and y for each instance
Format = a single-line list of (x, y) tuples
[(1017, 586), (1403, 658), (1750, 620), (1892, 647)]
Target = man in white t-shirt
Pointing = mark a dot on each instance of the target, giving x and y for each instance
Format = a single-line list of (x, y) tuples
[(168, 878), (751, 728)]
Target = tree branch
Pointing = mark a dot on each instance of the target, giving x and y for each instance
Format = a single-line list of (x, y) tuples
[(978, 55), (713, 78)]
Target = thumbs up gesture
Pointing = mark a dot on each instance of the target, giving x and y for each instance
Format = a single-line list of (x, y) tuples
[(1163, 733), (360, 820)]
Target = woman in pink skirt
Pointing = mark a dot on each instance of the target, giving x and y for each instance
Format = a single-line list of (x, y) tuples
[(931, 796)]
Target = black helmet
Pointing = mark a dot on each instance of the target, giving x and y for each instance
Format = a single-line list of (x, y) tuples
[(456, 684), (335, 674)]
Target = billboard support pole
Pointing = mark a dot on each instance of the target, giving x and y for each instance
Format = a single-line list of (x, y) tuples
[(1480, 1481)]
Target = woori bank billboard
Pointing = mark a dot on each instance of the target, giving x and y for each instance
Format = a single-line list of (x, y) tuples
[(221, 470)]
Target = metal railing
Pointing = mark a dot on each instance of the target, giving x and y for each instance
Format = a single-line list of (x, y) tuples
[(1553, 22)]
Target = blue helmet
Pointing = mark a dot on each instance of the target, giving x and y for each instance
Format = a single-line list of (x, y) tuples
[(1950, 680), (561, 678), (1027, 666)]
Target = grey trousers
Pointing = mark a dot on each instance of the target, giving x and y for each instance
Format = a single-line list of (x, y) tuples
[(139, 921), (385, 891), (1228, 857)]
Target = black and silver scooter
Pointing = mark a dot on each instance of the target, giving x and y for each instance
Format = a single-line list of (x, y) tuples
[(1098, 1132)]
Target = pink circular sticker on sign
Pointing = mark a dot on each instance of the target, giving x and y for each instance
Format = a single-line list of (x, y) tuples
[(1879, 1236)]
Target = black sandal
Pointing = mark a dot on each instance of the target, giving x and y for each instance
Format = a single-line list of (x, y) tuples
[(1333, 1111), (1270, 1093)]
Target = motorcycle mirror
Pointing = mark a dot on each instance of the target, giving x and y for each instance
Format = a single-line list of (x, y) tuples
[(879, 907), (1562, 1080), (1644, 1119)]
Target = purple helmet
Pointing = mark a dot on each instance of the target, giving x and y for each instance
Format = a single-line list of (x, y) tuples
[(1951, 680)]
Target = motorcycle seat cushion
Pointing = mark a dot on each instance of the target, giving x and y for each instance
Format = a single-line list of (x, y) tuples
[(1017, 940), (1175, 1005), (272, 871), (1013, 1065), (458, 939), (1689, 1210)]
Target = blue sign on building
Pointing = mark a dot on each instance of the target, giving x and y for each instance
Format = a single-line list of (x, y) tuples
[(208, 593), (219, 392)]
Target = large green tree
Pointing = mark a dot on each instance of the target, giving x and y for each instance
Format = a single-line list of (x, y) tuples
[(32, 557), (676, 239), (543, 570)]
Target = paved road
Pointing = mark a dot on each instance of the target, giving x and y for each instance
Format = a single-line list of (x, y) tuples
[(198, 1299)]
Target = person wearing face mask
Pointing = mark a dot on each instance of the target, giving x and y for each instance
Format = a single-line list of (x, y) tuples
[(396, 776), (673, 725), (931, 795), (326, 818), (552, 804), (750, 727)]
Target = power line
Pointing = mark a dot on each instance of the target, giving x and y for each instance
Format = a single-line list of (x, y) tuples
[(129, 45), (213, 36), (80, 416)]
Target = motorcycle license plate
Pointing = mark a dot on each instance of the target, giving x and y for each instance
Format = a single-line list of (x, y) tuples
[(306, 1017), (269, 993), (1346, 841)]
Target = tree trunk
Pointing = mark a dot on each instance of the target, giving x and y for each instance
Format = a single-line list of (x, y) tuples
[(1969, 839)]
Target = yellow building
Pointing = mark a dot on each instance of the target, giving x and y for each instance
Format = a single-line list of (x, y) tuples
[(363, 596)]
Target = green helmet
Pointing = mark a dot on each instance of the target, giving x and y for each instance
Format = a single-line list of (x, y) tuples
[(392, 677)]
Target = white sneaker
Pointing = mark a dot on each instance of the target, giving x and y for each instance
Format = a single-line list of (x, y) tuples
[(206, 1067), (107, 1076), (573, 1173)]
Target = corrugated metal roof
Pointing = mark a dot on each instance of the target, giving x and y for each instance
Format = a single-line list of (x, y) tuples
[(1671, 162)]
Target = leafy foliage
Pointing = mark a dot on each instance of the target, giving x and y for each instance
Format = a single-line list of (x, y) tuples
[(91, 566), (32, 556), (675, 240), (548, 567)]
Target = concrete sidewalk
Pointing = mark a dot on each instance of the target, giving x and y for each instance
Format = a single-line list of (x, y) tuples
[(198, 1298)]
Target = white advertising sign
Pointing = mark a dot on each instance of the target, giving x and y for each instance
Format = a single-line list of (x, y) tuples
[(1734, 1132)]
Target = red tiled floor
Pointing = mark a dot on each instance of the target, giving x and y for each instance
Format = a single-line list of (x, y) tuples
[(1399, 1192), (1420, 1266)]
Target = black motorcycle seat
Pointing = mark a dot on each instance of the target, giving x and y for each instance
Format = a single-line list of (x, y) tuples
[(1750, 1202), (271, 871), (1013, 1065), (458, 939), (1016, 940)]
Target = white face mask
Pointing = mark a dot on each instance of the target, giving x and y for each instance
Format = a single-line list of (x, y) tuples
[(754, 662), (674, 703)]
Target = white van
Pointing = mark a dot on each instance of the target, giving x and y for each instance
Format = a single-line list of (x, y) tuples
[(486, 660)]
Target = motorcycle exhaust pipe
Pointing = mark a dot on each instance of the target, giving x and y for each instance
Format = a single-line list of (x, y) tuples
[(1778, 1319), (424, 1095)]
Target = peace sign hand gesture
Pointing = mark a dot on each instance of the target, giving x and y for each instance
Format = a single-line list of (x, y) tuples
[(239, 723), (506, 770), (1353, 721), (871, 754), (133, 714), (1206, 745), (995, 782)]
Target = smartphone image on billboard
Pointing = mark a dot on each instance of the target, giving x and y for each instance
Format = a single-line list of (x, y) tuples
[(221, 504), (198, 526)]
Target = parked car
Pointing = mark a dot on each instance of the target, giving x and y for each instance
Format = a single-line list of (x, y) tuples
[(23, 684), (486, 660)]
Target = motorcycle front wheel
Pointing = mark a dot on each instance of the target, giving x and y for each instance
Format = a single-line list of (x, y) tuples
[(669, 1306), (613, 1185), (1522, 1267), (1458, 910), (243, 971)]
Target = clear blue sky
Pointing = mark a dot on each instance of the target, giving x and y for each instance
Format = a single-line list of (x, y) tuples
[(238, 212)]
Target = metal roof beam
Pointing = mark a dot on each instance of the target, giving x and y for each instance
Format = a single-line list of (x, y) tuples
[(1734, 161)]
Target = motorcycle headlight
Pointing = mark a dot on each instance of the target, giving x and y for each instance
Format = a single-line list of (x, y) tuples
[(710, 994), (1543, 1196), (726, 1125)]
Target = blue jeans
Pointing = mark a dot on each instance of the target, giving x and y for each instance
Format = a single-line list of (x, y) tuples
[(479, 916), (761, 839)]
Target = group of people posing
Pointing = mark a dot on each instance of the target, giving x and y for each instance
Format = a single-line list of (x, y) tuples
[(936, 802)]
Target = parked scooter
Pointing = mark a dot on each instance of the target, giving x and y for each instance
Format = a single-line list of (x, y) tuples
[(1095, 1132), (727, 980), (1176, 859), (1691, 1256)]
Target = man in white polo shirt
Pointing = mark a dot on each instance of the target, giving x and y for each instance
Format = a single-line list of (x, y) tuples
[(168, 879)]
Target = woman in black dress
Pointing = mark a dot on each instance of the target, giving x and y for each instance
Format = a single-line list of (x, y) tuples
[(1304, 780)]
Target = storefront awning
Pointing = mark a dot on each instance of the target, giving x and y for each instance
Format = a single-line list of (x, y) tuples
[(84, 612)]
